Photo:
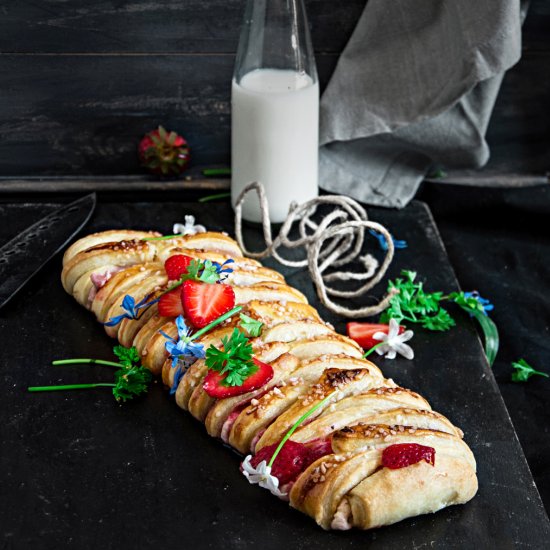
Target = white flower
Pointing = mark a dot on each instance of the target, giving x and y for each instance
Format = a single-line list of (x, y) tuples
[(262, 476), (394, 342), (189, 228)]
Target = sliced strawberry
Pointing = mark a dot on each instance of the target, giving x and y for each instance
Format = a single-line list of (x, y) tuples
[(176, 266), (170, 304), (363, 333), (214, 387), (292, 460), (203, 302), (402, 455)]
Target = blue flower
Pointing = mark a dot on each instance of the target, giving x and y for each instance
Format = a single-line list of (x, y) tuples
[(382, 240), (182, 347), (221, 268), (131, 309), (484, 304), (178, 375)]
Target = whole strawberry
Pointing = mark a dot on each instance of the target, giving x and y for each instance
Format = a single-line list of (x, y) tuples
[(164, 153)]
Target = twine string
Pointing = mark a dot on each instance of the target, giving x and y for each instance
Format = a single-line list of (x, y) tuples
[(336, 241)]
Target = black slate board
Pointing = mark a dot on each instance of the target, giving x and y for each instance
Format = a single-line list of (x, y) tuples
[(80, 471)]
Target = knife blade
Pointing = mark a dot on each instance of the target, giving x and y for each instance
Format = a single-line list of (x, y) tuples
[(27, 253)]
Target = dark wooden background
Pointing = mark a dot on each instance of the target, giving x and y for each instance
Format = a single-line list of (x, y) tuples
[(82, 81)]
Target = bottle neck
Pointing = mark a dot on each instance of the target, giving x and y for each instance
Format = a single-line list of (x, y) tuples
[(275, 35)]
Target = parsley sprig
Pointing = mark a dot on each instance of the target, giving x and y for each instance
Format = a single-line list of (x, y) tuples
[(234, 359), (131, 378), (127, 356), (412, 303), (523, 371)]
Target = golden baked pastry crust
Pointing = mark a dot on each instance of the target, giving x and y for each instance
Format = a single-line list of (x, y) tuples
[(366, 413)]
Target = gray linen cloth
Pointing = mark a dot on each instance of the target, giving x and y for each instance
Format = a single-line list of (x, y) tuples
[(414, 86)]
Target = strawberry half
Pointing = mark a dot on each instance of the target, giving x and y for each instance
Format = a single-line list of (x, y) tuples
[(213, 386), (203, 302), (170, 304), (176, 266), (402, 455), (363, 333)]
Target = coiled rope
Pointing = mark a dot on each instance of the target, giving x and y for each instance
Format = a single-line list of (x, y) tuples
[(334, 242)]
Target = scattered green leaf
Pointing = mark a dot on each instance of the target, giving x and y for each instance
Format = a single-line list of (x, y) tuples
[(251, 326), (523, 371)]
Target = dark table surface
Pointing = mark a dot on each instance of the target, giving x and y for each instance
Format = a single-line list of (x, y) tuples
[(498, 241), (81, 471)]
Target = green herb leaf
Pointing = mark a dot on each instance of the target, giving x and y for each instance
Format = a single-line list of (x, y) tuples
[(131, 382), (193, 270), (201, 271), (524, 371), (414, 305), (440, 321), (469, 304), (234, 359), (251, 326), (209, 273), (490, 332), (127, 356)]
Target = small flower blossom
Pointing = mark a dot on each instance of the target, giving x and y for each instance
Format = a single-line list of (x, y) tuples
[(394, 342), (131, 309), (189, 227), (382, 240), (183, 346), (482, 305), (222, 270), (262, 476)]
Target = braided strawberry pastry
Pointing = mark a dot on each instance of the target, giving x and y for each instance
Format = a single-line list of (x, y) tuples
[(350, 447)]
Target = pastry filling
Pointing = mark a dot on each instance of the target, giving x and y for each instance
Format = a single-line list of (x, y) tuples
[(99, 280), (342, 518), (234, 414), (293, 459)]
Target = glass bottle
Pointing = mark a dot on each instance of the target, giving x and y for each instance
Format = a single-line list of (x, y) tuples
[(275, 108)]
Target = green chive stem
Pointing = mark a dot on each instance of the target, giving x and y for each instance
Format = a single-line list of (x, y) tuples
[(209, 198), (71, 387), (170, 288), (303, 418), (86, 362), (215, 322), (372, 349), (163, 238), (209, 172)]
